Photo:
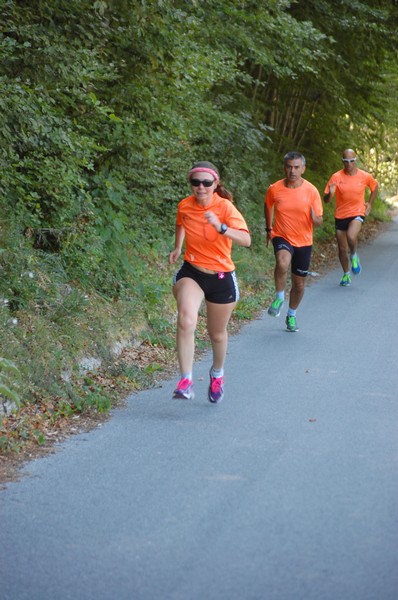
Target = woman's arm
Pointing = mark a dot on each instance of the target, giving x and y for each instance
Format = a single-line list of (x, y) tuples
[(179, 240), (238, 236)]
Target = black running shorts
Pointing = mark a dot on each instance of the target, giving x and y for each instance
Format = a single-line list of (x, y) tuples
[(301, 256), (342, 224), (220, 288)]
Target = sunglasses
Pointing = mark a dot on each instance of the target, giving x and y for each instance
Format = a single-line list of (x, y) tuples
[(205, 182), (348, 160)]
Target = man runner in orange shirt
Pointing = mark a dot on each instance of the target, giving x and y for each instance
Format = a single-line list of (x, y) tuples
[(349, 185), (292, 207)]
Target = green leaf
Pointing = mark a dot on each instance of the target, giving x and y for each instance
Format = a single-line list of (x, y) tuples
[(8, 393)]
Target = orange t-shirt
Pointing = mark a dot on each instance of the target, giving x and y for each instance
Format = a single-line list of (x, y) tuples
[(350, 192), (204, 246), (292, 211)]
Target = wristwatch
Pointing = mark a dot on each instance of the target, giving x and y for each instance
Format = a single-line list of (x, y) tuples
[(223, 228)]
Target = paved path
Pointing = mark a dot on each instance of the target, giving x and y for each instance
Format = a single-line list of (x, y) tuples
[(288, 490)]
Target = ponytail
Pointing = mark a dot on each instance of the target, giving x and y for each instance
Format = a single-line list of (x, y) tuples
[(221, 191)]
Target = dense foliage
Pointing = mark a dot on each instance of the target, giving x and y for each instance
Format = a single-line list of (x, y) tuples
[(106, 104)]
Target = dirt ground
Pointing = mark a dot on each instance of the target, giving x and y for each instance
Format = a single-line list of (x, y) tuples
[(323, 260)]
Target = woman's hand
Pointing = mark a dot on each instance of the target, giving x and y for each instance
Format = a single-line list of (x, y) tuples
[(239, 236), (213, 220), (174, 255)]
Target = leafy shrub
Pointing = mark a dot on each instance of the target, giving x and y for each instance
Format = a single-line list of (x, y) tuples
[(9, 376)]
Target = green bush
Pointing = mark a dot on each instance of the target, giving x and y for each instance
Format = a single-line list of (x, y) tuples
[(10, 376)]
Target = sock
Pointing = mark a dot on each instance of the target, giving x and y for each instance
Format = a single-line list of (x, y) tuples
[(291, 312), (187, 375), (217, 372), (281, 295), (346, 273)]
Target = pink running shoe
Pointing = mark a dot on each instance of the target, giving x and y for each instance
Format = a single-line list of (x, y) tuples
[(216, 389), (184, 390)]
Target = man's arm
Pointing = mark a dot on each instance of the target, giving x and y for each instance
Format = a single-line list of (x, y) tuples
[(268, 215), (316, 220), (329, 195), (372, 198)]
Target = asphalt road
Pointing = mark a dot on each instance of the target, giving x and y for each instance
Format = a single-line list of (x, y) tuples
[(288, 490)]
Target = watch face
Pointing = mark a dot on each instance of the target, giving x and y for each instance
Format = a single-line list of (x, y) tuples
[(223, 228)]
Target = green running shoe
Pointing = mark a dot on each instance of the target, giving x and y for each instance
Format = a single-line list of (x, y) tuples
[(291, 323), (345, 280), (355, 265), (275, 308)]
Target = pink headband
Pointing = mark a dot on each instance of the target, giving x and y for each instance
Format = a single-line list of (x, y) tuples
[(205, 170)]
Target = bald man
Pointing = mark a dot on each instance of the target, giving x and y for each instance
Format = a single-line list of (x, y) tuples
[(349, 186)]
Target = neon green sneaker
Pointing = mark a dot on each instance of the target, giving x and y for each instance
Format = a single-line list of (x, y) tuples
[(355, 265), (345, 280), (275, 308), (291, 323)]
